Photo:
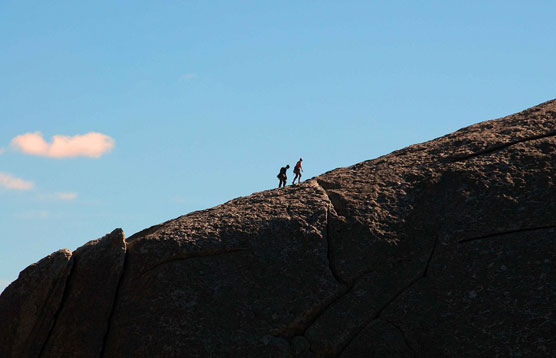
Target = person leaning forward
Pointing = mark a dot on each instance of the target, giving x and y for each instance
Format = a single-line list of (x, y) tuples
[(282, 176)]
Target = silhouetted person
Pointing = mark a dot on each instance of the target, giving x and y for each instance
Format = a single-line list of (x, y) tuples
[(297, 170), (282, 176)]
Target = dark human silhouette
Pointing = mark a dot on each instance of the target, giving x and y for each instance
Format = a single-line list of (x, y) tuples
[(297, 170), (282, 176)]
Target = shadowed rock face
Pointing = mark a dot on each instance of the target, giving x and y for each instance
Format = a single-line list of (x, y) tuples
[(444, 248)]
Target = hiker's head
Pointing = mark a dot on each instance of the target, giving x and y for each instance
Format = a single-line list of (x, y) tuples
[(288, 166), (300, 159)]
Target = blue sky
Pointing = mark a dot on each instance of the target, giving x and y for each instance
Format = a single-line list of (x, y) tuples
[(205, 101)]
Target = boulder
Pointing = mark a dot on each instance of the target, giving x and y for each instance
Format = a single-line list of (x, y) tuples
[(441, 249)]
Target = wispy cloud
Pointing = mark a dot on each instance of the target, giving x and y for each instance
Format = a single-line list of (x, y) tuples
[(65, 196), (92, 145), (188, 76), (8, 181)]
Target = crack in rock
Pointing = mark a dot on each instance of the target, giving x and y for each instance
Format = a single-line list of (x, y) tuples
[(426, 271), (62, 303), (390, 301), (507, 233), (501, 146), (330, 253), (334, 198), (193, 255), (125, 264), (413, 353)]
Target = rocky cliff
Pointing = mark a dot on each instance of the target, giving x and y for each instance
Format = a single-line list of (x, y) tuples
[(442, 249)]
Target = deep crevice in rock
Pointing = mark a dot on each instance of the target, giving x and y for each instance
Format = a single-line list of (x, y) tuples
[(330, 253), (334, 198), (507, 233), (62, 303), (125, 264), (501, 146), (193, 255)]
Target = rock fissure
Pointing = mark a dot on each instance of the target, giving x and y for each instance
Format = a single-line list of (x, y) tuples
[(426, 271), (332, 197), (125, 264), (65, 296), (192, 256), (318, 313), (406, 341), (507, 233), (312, 316), (501, 146), (330, 254), (359, 329)]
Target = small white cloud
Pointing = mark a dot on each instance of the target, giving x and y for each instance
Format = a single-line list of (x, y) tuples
[(8, 181), (65, 196), (91, 145), (188, 76)]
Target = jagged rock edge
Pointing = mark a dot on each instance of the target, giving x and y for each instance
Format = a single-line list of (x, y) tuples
[(65, 295), (115, 300)]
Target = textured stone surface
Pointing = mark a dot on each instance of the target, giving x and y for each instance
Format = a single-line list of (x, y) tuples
[(81, 323), (237, 279), (441, 249), (28, 306)]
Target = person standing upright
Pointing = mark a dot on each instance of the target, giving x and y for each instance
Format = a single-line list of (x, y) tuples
[(297, 170)]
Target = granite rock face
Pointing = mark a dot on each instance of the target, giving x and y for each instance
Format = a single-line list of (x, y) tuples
[(442, 249)]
